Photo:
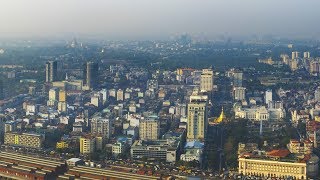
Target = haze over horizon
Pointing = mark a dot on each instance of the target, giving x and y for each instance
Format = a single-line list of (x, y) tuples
[(153, 19)]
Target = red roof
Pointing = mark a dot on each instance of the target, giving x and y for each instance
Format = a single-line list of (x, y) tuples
[(278, 153)]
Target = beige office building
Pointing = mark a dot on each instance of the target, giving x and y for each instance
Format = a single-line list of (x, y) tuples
[(62, 96), (149, 129), (197, 121), (206, 81)]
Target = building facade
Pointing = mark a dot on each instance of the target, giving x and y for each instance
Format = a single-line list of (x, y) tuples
[(101, 126), (87, 145), (149, 129), (206, 81), (24, 139), (90, 75), (51, 71), (272, 168), (197, 117), (155, 149), (239, 93)]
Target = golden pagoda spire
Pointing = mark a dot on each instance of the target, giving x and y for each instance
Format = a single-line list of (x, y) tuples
[(221, 117)]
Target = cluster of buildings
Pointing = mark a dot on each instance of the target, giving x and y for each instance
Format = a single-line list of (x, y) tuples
[(256, 106), (162, 116), (297, 61), (132, 120), (296, 161), (298, 105)]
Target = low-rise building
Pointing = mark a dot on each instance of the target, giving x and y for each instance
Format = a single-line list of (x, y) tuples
[(155, 149), (118, 148), (62, 145), (193, 151), (24, 139), (300, 147), (74, 162)]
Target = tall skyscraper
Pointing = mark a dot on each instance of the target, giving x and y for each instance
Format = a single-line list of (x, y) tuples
[(51, 71), (90, 74), (206, 82), (268, 96), (197, 121)]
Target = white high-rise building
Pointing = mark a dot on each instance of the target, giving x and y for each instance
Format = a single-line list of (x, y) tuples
[(239, 93), (294, 55), (197, 118), (268, 96), (306, 55)]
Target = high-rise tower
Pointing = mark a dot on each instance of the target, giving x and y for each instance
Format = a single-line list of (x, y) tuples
[(51, 71), (90, 74), (197, 121)]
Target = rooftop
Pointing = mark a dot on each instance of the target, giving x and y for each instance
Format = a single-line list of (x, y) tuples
[(280, 155), (194, 144)]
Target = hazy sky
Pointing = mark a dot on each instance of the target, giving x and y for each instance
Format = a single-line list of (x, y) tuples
[(159, 18)]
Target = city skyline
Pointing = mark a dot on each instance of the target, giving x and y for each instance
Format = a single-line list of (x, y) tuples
[(159, 89)]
